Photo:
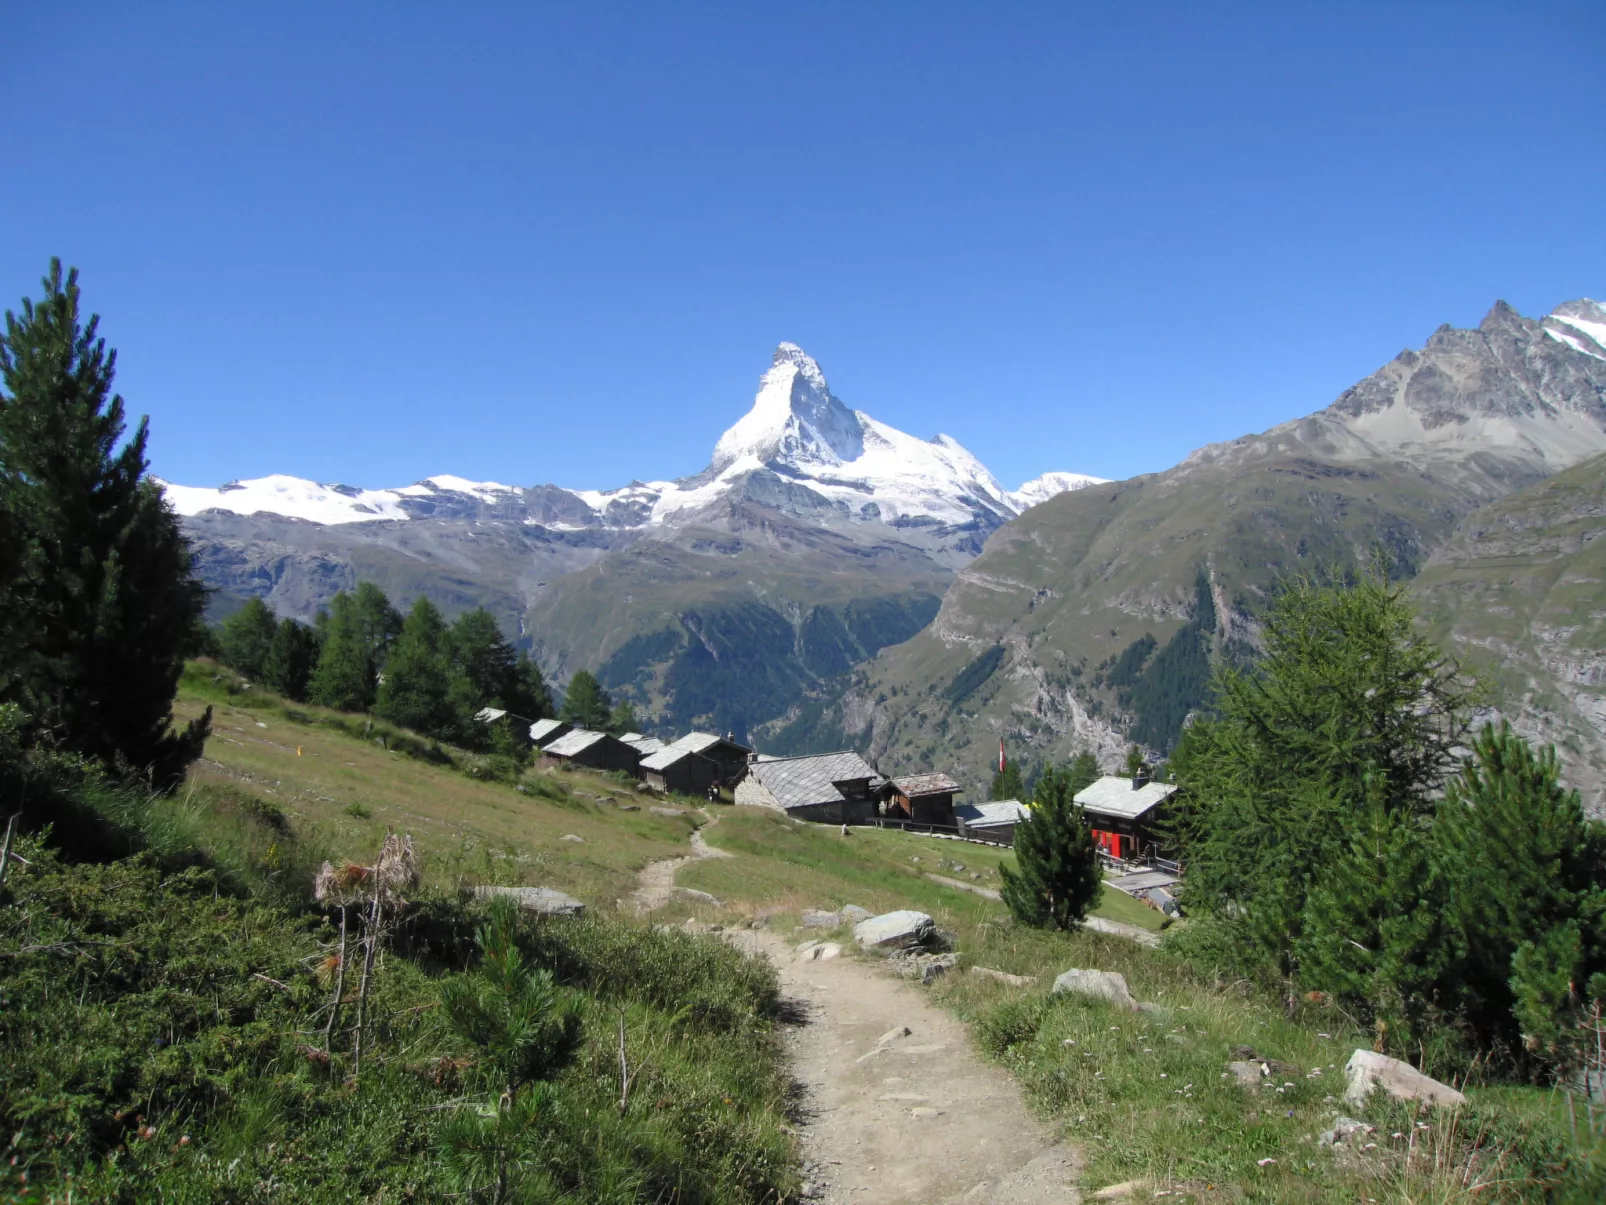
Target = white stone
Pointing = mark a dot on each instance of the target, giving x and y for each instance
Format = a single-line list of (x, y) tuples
[(1368, 1070), (895, 930), (1102, 985), (546, 900)]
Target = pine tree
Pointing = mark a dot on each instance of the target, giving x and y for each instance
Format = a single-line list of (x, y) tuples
[(415, 692), (1525, 869), (345, 677), (1082, 772), (586, 704), (1347, 691), (1372, 933), (1057, 876), (246, 638), (102, 603), (1007, 783), (378, 623), (533, 698), (292, 658)]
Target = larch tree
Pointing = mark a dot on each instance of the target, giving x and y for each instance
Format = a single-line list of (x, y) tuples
[(247, 636), (417, 678), (292, 658), (101, 603), (345, 677), (586, 704)]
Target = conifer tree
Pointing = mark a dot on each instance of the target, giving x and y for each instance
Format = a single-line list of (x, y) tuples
[(586, 704), (534, 698), (345, 677), (1007, 783), (623, 718), (1372, 933), (102, 602), (1057, 877), (378, 623), (292, 658), (415, 692), (1527, 877), (1082, 772), (246, 637)]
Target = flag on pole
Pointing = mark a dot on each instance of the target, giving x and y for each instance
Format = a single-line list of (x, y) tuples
[(1000, 755)]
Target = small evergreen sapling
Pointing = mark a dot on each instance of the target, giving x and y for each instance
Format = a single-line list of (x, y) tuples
[(526, 1030), (1057, 879)]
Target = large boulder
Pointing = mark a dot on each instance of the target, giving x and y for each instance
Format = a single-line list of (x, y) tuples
[(548, 901), (1102, 985), (1367, 1070), (895, 930)]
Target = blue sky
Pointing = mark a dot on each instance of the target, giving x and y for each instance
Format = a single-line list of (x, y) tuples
[(559, 243)]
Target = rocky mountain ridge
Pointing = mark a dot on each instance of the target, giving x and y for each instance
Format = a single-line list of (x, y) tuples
[(1106, 605)]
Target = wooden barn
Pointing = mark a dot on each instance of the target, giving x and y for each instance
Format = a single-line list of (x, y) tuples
[(1124, 813), (594, 751), (834, 788), (994, 821), (694, 763), (922, 799)]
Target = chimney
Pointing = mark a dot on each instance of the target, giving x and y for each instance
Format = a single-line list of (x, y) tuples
[(1141, 778)]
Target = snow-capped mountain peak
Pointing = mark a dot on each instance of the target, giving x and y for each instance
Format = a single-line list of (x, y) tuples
[(798, 448), (795, 418)]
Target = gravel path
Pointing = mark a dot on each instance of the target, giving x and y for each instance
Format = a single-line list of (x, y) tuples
[(898, 1107)]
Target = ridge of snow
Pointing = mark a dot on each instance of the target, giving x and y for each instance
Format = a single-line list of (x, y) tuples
[(796, 427), (1050, 485), (290, 497), (1591, 328)]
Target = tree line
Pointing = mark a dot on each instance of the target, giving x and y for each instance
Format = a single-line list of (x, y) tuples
[(417, 671)]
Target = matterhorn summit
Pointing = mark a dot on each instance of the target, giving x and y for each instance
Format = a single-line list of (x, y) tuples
[(795, 418)]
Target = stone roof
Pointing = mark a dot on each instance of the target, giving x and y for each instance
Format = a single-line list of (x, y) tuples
[(1113, 796), (699, 743), (644, 745), (800, 781), (571, 743), (912, 785), (986, 815), (542, 730)]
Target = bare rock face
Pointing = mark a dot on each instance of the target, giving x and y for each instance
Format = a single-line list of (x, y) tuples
[(548, 901), (895, 930), (1102, 985), (1367, 1070)]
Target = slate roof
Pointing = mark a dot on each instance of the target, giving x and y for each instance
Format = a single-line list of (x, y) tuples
[(668, 755), (574, 742), (925, 784), (1112, 796), (643, 745), (542, 730), (986, 815), (800, 781), (489, 715)]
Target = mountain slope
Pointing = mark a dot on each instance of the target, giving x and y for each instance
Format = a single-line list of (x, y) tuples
[(1518, 592), (1107, 603)]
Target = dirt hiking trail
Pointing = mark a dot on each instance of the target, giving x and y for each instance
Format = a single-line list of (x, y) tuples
[(897, 1107)]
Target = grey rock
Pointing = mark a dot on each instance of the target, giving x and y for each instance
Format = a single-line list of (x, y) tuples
[(1342, 1128), (546, 901), (895, 930), (1003, 976), (813, 918), (573, 838), (1246, 1073), (1367, 1071), (924, 967), (1102, 985), (853, 914), (630, 807), (693, 894), (663, 811)]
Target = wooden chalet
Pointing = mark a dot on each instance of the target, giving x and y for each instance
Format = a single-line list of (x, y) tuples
[(922, 799), (694, 763), (544, 732), (833, 788), (1124, 813), (594, 751), (994, 821)]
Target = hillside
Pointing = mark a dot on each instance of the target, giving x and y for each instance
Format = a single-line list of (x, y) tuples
[(1094, 599), (1518, 591)]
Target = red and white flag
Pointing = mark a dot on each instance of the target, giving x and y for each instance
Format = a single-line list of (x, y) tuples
[(1000, 755)]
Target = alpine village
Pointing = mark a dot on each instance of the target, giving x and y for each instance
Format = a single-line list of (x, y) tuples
[(821, 821)]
